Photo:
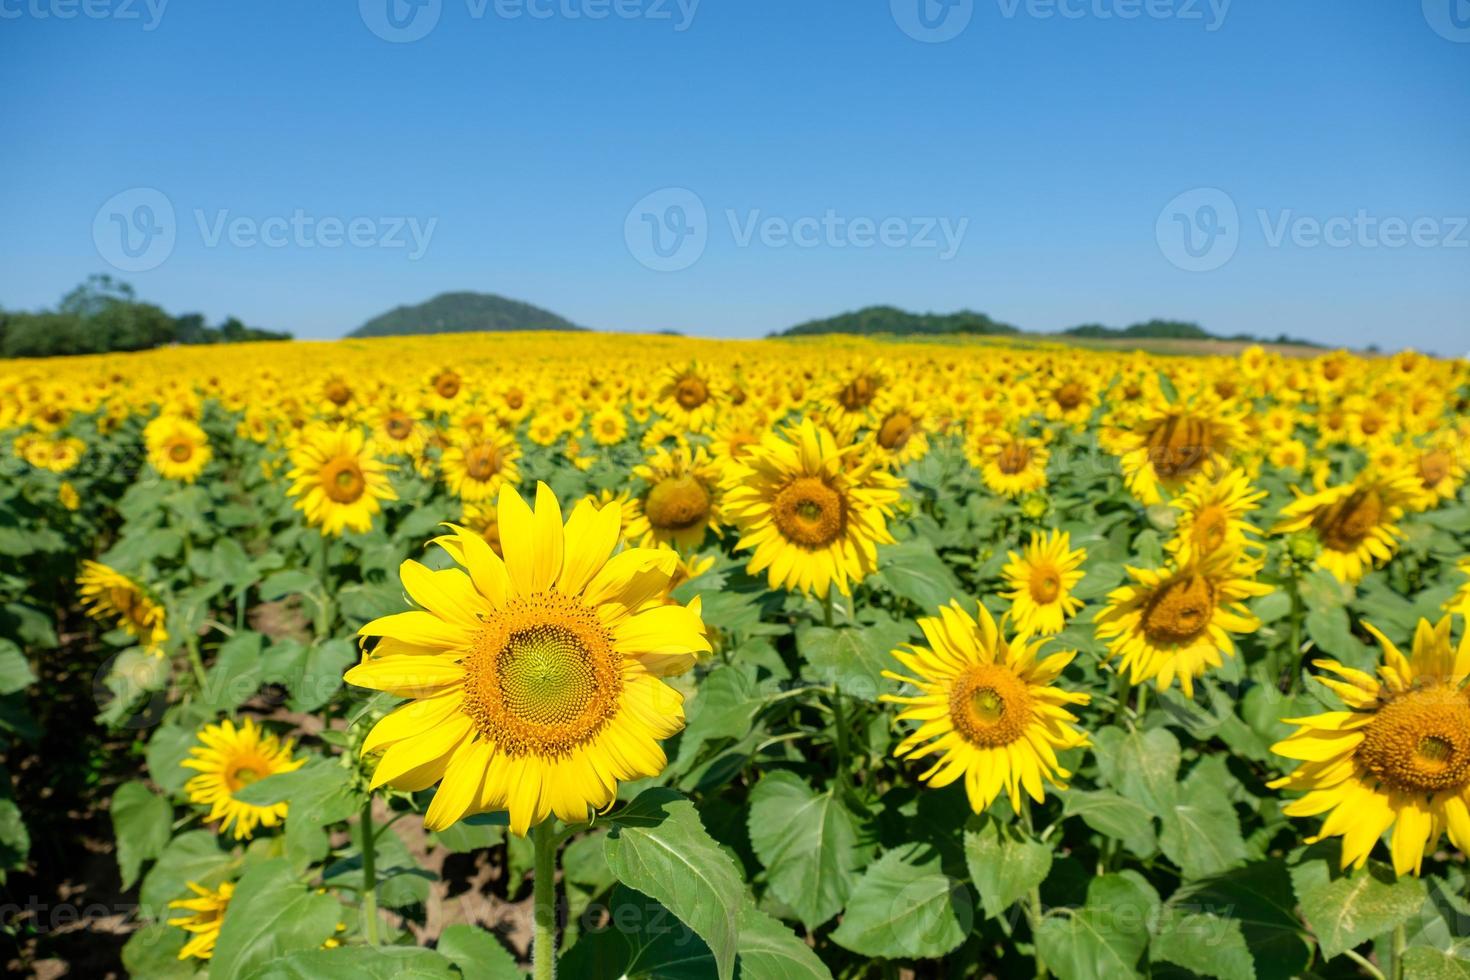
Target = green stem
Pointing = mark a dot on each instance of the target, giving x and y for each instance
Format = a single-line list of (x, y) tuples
[(1294, 589), (543, 949), (324, 609), (192, 645), (369, 873), (1400, 944), (1033, 897), (1142, 702), (827, 609), (1123, 691)]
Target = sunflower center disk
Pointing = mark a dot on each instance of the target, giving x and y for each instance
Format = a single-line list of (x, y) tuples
[(1013, 459), (1434, 467), (1046, 584), (990, 706), (541, 677), (677, 503), (691, 393), (1344, 525), (810, 513), (858, 394), (180, 452), (447, 385), (1178, 446), (1210, 530), (1180, 611), (1069, 395), (338, 393), (1420, 742), (896, 431), (342, 480), (399, 426), (482, 462)]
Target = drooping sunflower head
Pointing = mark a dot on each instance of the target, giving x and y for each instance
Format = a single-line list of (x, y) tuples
[(337, 481), (1355, 523), (1398, 757), (205, 919), (1177, 622), (987, 707), (108, 594), (477, 469), (229, 758), (682, 500), (1041, 580), (812, 512), (535, 680)]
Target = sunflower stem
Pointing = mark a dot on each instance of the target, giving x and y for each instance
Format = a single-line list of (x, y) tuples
[(1400, 944), (191, 644), (369, 873), (324, 608), (827, 609), (543, 950), (1033, 897), (1294, 589)]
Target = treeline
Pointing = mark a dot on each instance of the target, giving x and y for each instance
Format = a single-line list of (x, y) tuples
[(102, 315), (1173, 330), (891, 320)]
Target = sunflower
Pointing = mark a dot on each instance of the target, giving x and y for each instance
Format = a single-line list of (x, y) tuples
[(1070, 399), (849, 398), (898, 427), (1042, 581), (1013, 465), (109, 594), (1177, 621), (689, 396), (1212, 517), (480, 518), (230, 758), (609, 426), (987, 707), (177, 448), (1355, 523), (812, 511), (338, 483), (534, 682), (681, 503), (1167, 446), (477, 470), (1398, 756), (67, 495), (398, 430), (1440, 474), (208, 908)]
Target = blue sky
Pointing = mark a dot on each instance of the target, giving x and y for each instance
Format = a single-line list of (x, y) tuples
[(283, 162)]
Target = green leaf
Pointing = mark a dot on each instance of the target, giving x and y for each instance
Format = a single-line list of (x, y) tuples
[(809, 844), (321, 675), (15, 839), (1004, 864), (1259, 897), (194, 856), (853, 658), (272, 913), (1208, 945), (358, 963), (1423, 963), (659, 847), (1331, 629), (722, 708), (1142, 766), (1113, 816), (289, 582), (15, 669), (141, 822), (1347, 908), (477, 954), (167, 749), (914, 570), (906, 906), (236, 674), (1103, 940), (153, 952), (1201, 833), (317, 795), (768, 950)]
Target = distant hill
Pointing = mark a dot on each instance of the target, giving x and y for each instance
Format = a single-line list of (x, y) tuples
[(461, 313), (1171, 330), (892, 320)]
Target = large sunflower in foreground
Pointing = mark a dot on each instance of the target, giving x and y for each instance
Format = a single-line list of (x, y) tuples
[(337, 482), (109, 594), (987, 708), (813, 512), (1041, 579), (207, 917), (1355, 523), (534, 683), (229, 759), (682, 501), (1398, 757), (1178, 621)]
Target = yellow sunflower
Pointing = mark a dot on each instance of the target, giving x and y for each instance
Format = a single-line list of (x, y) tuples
[(1440, 474), (477, 470), (609, 426), (208, 917), (1398, 756), (480, 518), (399, 430), (681, 503), (230, 758), (1041, 582), (689, 396), (1168, 445), (109, 594), (1177, 622), (1013, 465), (812, 511), (534, 683), (898, 427), (337, 481), (1212, 517), (987, 708), (1355, 523), (177, 448)]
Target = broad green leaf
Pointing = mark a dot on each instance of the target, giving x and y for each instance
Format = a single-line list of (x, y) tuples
[(771, 951), (809, 843), (321, 674), (659, 847), (141, 821), (195, 856), (1208, 945), (290, 582), (723, 708), (1259, 897), (1201, 833), (361, 963), (1004, 864), (15, 669), (477, 953), (906, 906), (1423, 963), (236, 673), (914, 570), (854, 658), (167, 749), (1113, 816), (1105, 939), (1347, 908), (318, 794), (153, 952), (272, 913), (1142, 766)]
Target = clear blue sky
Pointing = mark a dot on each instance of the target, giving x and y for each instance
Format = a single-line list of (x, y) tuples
[(1060, 140)]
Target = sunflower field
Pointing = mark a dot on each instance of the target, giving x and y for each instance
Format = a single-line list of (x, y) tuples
[(492, 655)]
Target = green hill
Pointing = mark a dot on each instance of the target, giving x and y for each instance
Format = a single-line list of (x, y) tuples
[(892, 320), (1173, 330), (460, 313)]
